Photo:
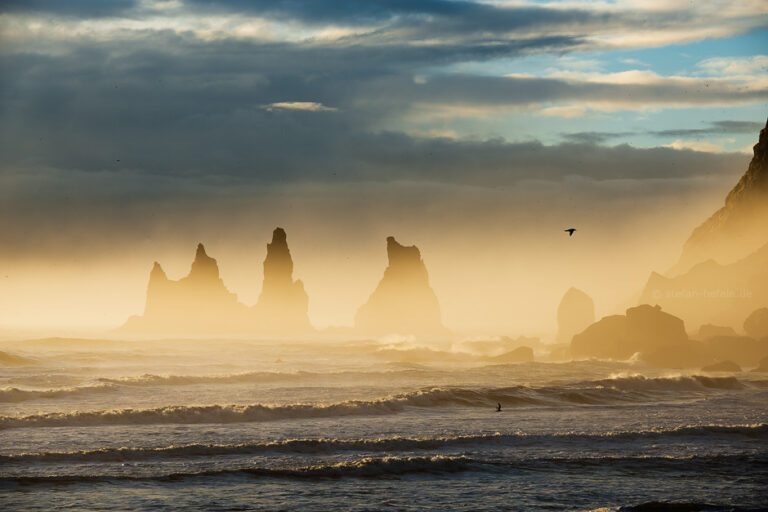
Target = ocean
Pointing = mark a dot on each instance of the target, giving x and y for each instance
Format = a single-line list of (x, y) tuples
[(242, 425)]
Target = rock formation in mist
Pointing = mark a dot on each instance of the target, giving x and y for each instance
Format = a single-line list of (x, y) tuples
[(658, 337), (713, 293), (707, 331), (722, 274), (403, 302), (200, 303), (283, 303), (756, 324), (722, 366), (739, 227), (519, 355), (196, 304), (575, 312)]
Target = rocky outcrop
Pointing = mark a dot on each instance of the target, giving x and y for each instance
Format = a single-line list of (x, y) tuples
[(722, 366), (739, 227), (658, 337), (575, 312), (756, 324), (196, 304), (403, 302), (713, 293), (518, 355), (200, 303), (283, 304), (707, 331)]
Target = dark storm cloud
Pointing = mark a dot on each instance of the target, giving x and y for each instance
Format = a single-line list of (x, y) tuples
[(175, 105), (70, 8), (445, 13), (714, 128)]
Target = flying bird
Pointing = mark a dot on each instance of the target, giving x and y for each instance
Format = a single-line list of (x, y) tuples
[(570, 231)]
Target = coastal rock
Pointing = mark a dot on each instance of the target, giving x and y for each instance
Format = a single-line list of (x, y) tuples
[(518, 355), (196, 304), (741, 349), (722, 366), (403, 302), (756, 324), (575, 312), (739, 227), (658, 337), (283, 304), (707, 331), (200, 303), (713, 293)]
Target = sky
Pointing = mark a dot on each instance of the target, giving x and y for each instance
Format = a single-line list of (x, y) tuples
[(131, 130)]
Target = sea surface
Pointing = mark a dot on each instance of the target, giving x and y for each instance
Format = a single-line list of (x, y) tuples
[(239, 425)]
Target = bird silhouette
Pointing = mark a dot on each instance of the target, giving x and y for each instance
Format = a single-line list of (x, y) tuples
[(570, 231)]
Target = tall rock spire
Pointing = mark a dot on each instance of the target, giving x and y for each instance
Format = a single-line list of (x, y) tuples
[(283, 303), (403, 302)]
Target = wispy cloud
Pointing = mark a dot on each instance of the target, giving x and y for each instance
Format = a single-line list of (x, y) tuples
[(307, 106)]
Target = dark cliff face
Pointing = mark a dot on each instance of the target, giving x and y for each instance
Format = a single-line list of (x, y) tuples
[(739, 227), (403, 302)]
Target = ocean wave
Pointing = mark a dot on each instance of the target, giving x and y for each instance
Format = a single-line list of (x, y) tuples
[(515, 396), (672, 383), (393, 466), (314, 446), (16, 395), (368, 467)]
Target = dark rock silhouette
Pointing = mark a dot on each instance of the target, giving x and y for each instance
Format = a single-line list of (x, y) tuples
[(707, 331), (713, 293), (658, 337), (575, 312), (762, 366), (740, 349), (518, 355), (756, 324), (283, 304), (200, 303), (196, 304), (403, 302), (738, 228), (722, 366), (499, 346)]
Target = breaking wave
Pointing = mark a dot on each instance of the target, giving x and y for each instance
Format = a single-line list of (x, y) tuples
[(16, 395), (605, 392), (392, 444), (392, 466)]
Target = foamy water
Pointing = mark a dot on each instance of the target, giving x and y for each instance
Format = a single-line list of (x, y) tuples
[(242, 426)]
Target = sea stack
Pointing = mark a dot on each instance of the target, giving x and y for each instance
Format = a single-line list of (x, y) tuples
[(199, 303), (283, 303), (575, 313), (403, 302)]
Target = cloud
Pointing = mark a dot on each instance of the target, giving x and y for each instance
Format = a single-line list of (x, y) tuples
[(736, 66), (308, 106), (714, 128), (703, 146)]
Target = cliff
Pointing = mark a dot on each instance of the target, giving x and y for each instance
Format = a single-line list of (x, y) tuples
[(739, 227), (403, 302)]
